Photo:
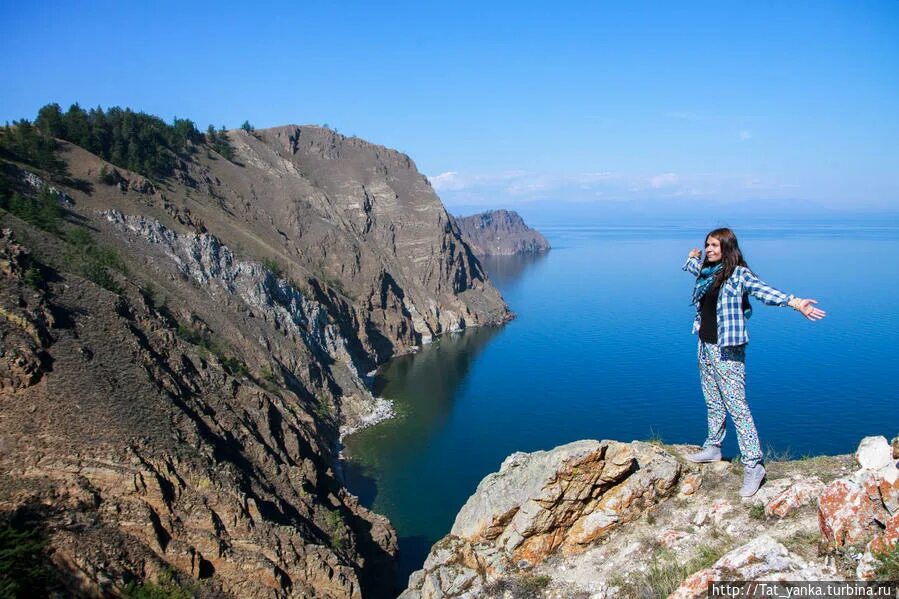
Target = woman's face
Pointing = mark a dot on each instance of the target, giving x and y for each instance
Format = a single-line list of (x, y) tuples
[(712, 249)]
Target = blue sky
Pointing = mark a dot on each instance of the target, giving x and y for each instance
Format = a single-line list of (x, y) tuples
[(771, 106)]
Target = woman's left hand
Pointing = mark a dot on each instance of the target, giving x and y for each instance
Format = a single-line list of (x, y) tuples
[(808, 310)]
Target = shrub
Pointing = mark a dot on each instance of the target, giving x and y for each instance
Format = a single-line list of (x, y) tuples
[(93, 261), (336, 530), (41, 211), (165, 587), (232, 365), (109, 176), (274, 266), (757, 511), (887, 564), (34, 278), (23, 568)]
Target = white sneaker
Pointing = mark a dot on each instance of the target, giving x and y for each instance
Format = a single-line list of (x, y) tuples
[(712, 453), (752, 480)]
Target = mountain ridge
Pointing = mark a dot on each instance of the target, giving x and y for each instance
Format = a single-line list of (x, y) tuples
[(184, 353)]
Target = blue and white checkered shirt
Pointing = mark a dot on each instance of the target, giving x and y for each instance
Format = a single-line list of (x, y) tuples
[(731, 323)]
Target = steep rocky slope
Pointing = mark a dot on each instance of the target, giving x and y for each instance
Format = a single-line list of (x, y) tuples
[(179, 358), (608, 519), (500, 233)]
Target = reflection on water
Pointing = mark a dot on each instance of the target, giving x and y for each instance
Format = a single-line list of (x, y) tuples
[(395, 467), (385, 465), (505, 271), (422, 386)]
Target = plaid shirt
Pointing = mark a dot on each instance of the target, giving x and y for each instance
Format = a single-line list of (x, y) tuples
[(731, 323)]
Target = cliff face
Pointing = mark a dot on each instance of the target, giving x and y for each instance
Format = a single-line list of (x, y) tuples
[(610, 519), (179, 358), (500, 233)]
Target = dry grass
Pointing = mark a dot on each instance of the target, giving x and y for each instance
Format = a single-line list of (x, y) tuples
[(666, 573)]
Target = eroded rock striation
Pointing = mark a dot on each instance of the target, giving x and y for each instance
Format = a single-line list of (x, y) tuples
[(180, 357), (500, 233)]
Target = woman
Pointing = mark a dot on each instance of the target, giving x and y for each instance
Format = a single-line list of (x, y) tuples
[(723, 284)]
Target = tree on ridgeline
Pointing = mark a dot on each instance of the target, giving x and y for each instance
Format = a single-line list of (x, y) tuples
[(77, 126), (50, 121), (131, 140), (219, 141), (134, 140), (24, 142), (248, 127)]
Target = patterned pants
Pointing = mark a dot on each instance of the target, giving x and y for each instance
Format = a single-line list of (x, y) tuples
[(722, 372)]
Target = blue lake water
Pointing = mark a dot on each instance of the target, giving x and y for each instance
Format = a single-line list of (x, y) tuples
[(601, 349)]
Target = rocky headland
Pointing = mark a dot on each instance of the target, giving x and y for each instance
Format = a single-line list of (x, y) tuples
[(500, 233), (181, 355), (603, 519)]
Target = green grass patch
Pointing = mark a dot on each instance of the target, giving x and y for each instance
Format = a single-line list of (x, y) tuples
[(274, 266), (887, 564), (93, 261), (210, 344), (336, 530), (757, 511), (665, 574), (165, 587), (525, 586), (268, 374)]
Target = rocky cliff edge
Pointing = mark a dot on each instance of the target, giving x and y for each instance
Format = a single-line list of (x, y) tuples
[(596, 519)]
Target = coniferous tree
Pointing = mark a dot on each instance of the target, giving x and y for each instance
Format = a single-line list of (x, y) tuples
[(50, 121), (77, 129), (133, 140)]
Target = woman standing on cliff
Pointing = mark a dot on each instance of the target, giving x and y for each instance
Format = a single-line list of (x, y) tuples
[(723, 284)]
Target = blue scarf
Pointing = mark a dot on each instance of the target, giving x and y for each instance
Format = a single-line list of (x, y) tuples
[(704, 283)]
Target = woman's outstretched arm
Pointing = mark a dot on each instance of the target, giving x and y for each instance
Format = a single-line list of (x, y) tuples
[(773, 297)]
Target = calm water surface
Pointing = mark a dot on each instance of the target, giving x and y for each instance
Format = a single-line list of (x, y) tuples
[(601, 349)]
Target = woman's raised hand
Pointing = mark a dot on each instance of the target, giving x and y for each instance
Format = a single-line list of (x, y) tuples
[(695, 253), (808, 310)]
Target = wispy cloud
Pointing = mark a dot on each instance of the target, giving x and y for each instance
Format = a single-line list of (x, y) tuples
[(455, 181), (664, 180), (683, 115), (744, 134), (518, 186)]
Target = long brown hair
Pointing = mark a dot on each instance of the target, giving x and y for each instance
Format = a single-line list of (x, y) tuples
[(731, 256)]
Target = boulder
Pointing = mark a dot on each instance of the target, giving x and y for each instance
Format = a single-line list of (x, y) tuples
[(762, 558), (800, 493), (846, 513), (874, 453)]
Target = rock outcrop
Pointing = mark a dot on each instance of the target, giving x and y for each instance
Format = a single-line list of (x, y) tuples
[(180, 358), (862, 510), (500, 233), (604, 519)]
